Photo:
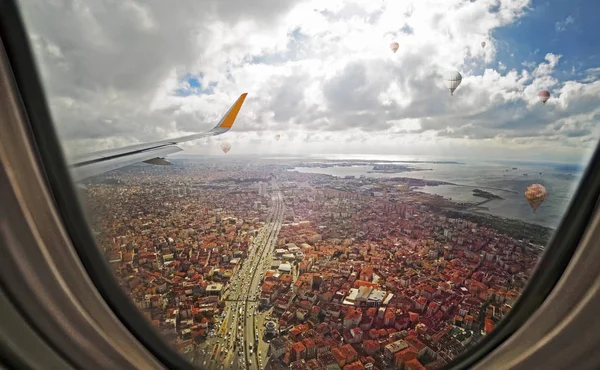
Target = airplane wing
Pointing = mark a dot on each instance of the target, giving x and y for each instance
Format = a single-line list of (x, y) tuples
[(106, 160)]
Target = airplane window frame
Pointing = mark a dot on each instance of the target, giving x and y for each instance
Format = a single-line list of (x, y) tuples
[(20, 57), (550, 268), (552, 264)]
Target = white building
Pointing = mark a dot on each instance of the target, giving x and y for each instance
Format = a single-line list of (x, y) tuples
[(285, 268)]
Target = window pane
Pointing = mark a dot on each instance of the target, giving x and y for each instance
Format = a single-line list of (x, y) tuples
[(384, 195)]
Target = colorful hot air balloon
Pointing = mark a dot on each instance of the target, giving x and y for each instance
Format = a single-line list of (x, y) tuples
[(452, 79), (225, 147), (535, 195), (394, 46), (483, 44), (544, 96), (277, 137)]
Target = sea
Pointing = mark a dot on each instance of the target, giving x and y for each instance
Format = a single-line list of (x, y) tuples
[(507, 179)]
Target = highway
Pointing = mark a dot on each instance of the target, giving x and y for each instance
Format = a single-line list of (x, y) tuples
[(239, 331), (252, 333)]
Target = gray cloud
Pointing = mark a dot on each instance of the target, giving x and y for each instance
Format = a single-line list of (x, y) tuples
[(111, 69), (108, 57)]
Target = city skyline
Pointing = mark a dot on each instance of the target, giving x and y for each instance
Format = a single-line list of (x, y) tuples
[(321, 74)]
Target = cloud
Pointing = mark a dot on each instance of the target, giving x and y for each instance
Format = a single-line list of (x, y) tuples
[(561, 26), (318, 72), (546, 69)]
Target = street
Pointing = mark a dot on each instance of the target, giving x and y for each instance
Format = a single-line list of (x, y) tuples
[(258, 267), (238, 341)]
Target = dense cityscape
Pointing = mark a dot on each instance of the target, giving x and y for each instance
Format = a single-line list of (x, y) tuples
[(253, 265)]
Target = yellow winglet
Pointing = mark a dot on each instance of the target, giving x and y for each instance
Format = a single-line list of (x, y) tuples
[(229, 118)]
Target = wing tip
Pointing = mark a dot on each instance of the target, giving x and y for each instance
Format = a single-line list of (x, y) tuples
[(230, 117)]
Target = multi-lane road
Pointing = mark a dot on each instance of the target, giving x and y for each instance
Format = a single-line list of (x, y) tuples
[(259, 265), (240, 330)]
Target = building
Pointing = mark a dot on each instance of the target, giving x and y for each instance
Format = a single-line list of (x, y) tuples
[(298, 351), (277, 347), (271, 328), (397, 346), (285, 268), (214, 289), (262, 188)]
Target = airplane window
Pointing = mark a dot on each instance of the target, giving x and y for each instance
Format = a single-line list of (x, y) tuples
[(322, 184)]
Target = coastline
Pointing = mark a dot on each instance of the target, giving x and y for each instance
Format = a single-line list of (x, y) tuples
[(471, 210), (534, 233)]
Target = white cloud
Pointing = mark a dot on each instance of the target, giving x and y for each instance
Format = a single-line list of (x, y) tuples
[(561, 26), (316, 71), (545, 69)]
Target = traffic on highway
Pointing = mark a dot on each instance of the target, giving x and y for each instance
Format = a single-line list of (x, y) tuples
[(238, 342)]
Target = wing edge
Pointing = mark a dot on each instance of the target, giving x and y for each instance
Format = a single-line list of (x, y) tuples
[(222, 127)]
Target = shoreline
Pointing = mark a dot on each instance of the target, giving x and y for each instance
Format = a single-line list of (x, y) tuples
[(534, 233), (514, 227), (338, 162), (447, 193), (487, 187), (389, 171)]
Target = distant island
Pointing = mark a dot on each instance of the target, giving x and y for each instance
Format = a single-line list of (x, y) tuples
[(484, 194), (395, 168), (412, 182), (370, 161)]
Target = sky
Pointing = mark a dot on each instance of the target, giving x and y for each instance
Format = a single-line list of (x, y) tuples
[(321, 74)]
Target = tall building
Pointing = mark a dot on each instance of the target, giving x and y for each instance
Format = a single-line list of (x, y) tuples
[(271, 327), (262, 188)]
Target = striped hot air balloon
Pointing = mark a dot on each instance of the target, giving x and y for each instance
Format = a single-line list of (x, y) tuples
[(535, 195), (394, 46), (452, 79), (544, 96)]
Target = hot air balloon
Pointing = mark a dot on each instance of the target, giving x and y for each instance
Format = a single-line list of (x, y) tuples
[(394, 46), (452, 80), (483, 44), (535, 195), (225, 147), (277, 137), (544, 96)]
